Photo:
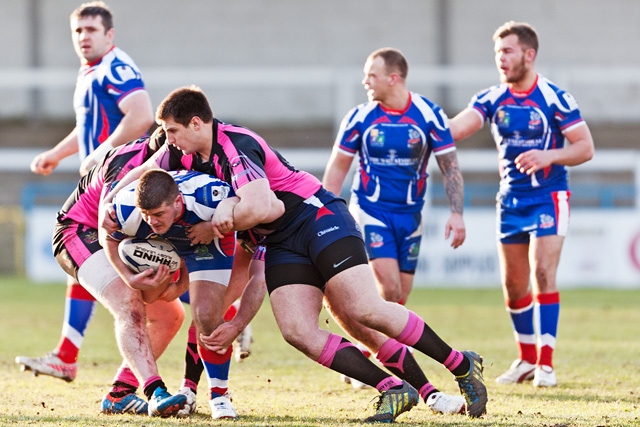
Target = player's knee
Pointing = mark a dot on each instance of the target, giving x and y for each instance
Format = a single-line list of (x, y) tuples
[(298, 337), (390, 292)]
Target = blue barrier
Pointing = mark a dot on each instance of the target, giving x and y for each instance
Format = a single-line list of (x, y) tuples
[(606, 196)]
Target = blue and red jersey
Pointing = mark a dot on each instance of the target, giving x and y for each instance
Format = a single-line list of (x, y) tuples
[(394, 148), (523, 121), (100, 87)]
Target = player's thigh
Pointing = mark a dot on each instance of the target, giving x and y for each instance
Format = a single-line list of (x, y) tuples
[(296, 308), (353, 290), (387, 274), (206, 299), (340, 313), (165, 316)]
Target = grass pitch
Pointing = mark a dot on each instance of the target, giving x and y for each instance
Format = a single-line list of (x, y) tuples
[(597, 360)]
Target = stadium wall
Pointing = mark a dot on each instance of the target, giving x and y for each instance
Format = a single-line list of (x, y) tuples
[(295, 61)]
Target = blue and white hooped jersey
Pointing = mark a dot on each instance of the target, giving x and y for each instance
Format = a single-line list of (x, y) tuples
[(394, 148), (100, 87), (521, 122), (201, 195)]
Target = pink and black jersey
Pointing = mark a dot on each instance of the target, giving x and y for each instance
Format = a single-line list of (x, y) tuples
[(100, 87), (83, 204), (394, 148), (239, 156), (525, 121)]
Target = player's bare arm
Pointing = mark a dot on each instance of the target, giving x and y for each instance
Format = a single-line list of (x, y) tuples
[(137, 119), (465, 123), (579, 150), (239, 275), (200, 233), (172, 291), (45, 162), (276, 208), (252, 298), (454, 188), (222, 220), (336, 171), (146, 280), (257, 205)]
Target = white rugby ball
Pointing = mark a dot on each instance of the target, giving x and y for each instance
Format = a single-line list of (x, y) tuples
[(142, 254)]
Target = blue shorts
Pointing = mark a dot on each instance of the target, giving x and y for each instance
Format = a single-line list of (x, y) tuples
[(210, 262), (519, 218), (391, 235)]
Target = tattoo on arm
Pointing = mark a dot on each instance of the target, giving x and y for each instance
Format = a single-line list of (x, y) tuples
[(453, 182)]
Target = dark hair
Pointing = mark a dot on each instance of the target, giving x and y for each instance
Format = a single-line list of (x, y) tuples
[(183, 104), (156, 140), (155, 188), (394, 61), (527, 35), (95, 8)]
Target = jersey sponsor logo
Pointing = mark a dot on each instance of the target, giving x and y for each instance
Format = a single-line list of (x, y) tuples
[(546, 221), (89, 237), (376, 138), (517, 140), (535, 121), (414, 249), (377, 241), (328, 230), (434, 135), (414, 137), (202, 253), (393, 155), (502, 119)]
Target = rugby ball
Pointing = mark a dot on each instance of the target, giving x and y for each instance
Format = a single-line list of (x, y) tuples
[(142, 254)]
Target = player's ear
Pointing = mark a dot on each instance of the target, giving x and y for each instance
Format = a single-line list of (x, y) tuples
[(393, 78), (178, 201), (530, 55)]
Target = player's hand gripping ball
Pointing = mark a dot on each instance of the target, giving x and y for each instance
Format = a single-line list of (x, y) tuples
[(142, 254)]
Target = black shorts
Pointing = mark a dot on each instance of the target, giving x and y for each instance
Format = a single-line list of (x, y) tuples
[(326, 241)]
